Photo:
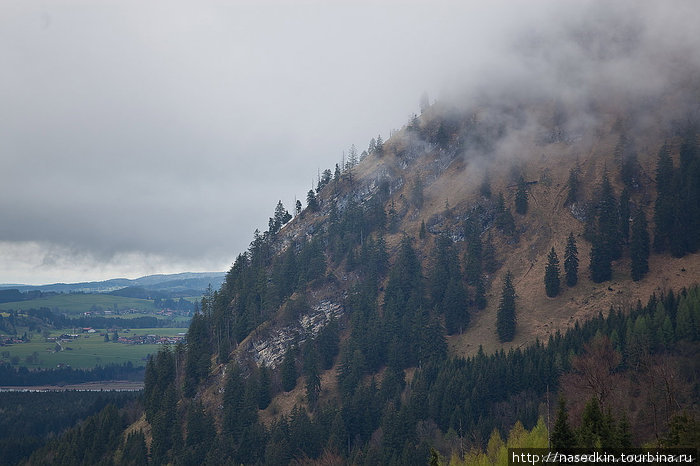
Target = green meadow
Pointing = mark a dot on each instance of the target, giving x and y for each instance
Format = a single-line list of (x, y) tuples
[(77, 303), (88, 350)]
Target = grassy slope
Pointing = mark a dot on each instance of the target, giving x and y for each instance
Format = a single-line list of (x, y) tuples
[(78, 303)]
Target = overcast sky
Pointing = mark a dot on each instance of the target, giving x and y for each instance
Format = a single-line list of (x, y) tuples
[(154, 137)]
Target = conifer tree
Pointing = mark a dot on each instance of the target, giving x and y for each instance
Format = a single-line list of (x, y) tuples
[(485, 187), (551, 274), (336, 173), (489, 263), (311, 202), (472, 266), (663, 207), (504, 219), (505, 318), (562, 435), (480, 293), (135, 452), (639, 246), (571, 261), (609, 222), (312, 374), (624, 210), (521, 197), (600, 266), (264, 387), (379, 147), (454, 307), (289, 371), (200, 434), (573, 183)]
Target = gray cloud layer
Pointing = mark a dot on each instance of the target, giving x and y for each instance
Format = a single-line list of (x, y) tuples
[(140, 137)]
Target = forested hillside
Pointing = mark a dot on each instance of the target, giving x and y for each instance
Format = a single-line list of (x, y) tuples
[(444, 286)]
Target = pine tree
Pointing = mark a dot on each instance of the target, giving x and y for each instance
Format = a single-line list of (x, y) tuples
[(624, 210), (562, 435), (336, 173), (521, 197), (480, 294), (289, 371), (551, 274), (311, 202), (352, 156), (600, 266), (571, 261), (504, 219), (489, 263), (135, 452), (264, 387), (573, 183), (663, 208), (379, 147), (422, 232), (609, 222), (505, 318), (454, 307), (639, 246)]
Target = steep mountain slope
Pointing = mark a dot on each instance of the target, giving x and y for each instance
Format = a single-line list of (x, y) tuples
[(373, 327), (435, 172), (451, 171)]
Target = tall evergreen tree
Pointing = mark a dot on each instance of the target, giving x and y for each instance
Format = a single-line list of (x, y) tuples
[(562, 435), (311, 202), (135, 452), (264, 387), (312, 374), (379, 147), (609, 222), (454, 307), (571, 261), (639, 246), (574, 184), (551, 274), (288, 371), (600, 266), (480, 294), (521, 197), (489, 263), (200, 434), (504, 218), (663, 207), (505, 318), (624, 210)]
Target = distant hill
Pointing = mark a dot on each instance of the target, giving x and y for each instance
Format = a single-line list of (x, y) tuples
[(166, 283)]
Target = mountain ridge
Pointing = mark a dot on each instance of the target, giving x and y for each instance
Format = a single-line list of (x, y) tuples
[(117, 283)]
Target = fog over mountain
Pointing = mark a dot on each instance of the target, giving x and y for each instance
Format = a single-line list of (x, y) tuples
[(141, 138)]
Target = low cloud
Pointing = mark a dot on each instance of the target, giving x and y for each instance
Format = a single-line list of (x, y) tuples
[(141, 138)]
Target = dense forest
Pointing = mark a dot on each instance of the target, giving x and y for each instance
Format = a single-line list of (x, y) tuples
[(30, 420), (451, 406), (21, 376)]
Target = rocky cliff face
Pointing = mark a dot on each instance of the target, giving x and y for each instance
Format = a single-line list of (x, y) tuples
[(269, 345)]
